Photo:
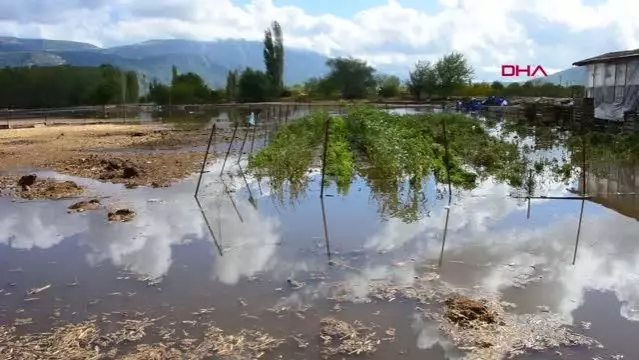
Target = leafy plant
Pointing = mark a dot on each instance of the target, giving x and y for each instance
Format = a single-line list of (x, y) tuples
[(394, 154)]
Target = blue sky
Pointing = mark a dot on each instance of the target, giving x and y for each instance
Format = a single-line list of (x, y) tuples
[(390, 34), (348, 8)]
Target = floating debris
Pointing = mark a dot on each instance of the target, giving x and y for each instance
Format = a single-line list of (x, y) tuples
[(484, 328), (296, 285), (66, 342), (301, 342), (203, 311), (391, 334), (251, 344), (20, 322), (131, 331), (340, 337), (121, 215), (486, 331), (155, 352), (466, 312), (38, 290), (85, 205)]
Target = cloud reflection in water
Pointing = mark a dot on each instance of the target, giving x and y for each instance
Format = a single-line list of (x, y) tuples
[(144, 245)]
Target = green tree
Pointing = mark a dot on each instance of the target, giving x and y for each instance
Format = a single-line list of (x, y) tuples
[(388, 86), (323, 87), (513, 89), (231, 85), (132, 87), (189, 88), (528, 86), (496, 85), (353, 77), (109, 89), (60, 86), (453, 73), (422, 80), (253, 86), (159, 93), (274, 58), (174, 73)]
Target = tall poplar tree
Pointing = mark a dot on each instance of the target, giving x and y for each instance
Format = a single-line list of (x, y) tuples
[(274, 57)]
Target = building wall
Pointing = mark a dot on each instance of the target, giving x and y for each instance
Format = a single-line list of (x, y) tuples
[(614, 186), (614, 87)]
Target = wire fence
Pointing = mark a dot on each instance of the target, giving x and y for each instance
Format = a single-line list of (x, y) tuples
[(270, 121)]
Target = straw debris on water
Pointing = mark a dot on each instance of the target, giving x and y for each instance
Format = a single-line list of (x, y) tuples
[(477, 321), (340, 337)]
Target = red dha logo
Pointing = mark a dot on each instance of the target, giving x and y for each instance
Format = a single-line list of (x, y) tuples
[(516, 70)]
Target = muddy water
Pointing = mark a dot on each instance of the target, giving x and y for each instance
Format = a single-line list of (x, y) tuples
[(167, 262), (223, 118)]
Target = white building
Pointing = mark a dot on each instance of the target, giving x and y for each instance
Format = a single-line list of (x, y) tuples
[(613, 83)]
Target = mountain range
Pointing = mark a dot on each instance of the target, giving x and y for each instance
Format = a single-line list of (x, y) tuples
[(571, 76), (154, 58), (210, 59)]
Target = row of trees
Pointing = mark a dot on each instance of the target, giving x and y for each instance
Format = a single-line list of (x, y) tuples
[(63, 86), (187, 88)]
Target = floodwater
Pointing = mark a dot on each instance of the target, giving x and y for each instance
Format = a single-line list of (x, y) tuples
[(167, 262)]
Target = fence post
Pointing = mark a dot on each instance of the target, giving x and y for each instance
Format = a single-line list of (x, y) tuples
[(206, 155), (237, 124)]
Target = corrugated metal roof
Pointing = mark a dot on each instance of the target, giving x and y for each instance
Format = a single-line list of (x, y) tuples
[(608, 57)]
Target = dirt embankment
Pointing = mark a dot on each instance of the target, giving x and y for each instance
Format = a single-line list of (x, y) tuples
[(107, 152)]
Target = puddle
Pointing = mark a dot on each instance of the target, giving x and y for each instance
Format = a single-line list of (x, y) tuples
[(267, 264)]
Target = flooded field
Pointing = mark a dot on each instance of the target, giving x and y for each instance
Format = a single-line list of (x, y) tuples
[(503, 246)]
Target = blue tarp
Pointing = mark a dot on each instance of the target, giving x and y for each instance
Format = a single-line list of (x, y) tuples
[(478, 105)]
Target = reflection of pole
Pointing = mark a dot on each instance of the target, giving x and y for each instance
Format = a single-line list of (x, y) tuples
[(267, 127), (259, 185), (583, 193), (581, 214), (583, 165), (237, 211), (326, 239), (206, 154), (554, 197), (530, 192), (237, 124), (208, 225), (239, 157), (253, 137), (447, 157), (248, 188), (441, 253), (450, 195), (326, 130)]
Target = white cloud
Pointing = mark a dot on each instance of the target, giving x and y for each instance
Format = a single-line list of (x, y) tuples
[(144, 245), (489, 34)]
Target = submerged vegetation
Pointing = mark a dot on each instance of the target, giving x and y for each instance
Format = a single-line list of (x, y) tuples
[(394, 154)]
